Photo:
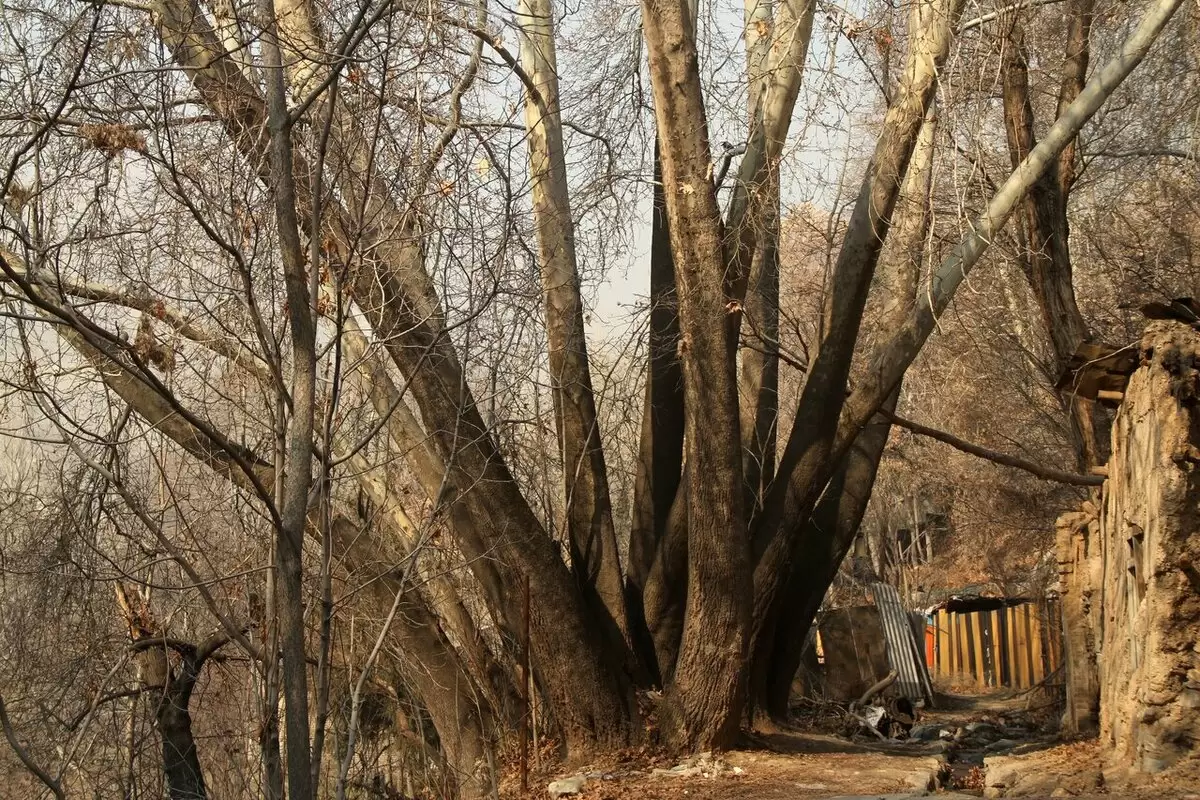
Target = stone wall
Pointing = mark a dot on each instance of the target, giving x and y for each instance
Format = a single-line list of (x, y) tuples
[(1130, 569)]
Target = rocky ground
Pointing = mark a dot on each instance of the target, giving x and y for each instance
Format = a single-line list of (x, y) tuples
[(968, 747)]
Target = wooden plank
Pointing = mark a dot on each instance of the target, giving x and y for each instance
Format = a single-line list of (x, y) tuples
[(962, 667), (977, 649), (1021, 645), (1010, 648), (1035, 641), (997, 661)]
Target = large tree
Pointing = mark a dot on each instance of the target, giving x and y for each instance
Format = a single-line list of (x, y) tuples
[(336, 169)]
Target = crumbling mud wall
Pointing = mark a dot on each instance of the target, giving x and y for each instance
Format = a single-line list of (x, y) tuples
[(1130, 569)]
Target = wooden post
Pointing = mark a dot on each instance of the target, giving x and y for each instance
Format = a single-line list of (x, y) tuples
[(1010, 642), (1053, 625), (997, 661), (944, 648), (977, 649), (1035, 641)]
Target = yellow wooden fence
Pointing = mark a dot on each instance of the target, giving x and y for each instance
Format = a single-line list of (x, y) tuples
[(1014, 646)]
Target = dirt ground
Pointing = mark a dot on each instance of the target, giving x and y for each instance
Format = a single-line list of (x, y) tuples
[(810, 762)]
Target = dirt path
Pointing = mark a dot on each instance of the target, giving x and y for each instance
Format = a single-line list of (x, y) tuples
[(967, 747)]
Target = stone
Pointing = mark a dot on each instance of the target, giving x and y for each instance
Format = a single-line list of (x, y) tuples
[(926, 733), (922, 781), (983, 730), (567, 786), (1001, 746), (1062, 792)]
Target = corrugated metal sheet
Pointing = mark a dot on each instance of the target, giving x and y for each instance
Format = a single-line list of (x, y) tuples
[(903, 654)]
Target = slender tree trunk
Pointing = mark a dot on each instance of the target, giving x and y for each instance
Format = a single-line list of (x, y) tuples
[(703, 704), (293, 505), (181, 762), (759, 380), (592, 536)]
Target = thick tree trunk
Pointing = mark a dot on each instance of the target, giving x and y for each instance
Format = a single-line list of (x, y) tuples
[(665, 596), (660, 452), (592, 536), (820, 550), (829, 533), (703, 704), (809, 458)]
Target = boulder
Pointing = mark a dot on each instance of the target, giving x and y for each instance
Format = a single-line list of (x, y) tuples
[(567, 786)]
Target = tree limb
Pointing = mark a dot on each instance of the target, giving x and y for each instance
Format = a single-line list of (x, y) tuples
[(1037, 470)]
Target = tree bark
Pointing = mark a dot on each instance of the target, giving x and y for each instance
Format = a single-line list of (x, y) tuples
[(592, 536), (759, 380), (703, 704), (181, 762), (772, 102), (297, 427), (820, 550)]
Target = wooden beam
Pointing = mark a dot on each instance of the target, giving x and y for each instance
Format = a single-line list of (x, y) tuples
[(962, 667), (1010, 648)]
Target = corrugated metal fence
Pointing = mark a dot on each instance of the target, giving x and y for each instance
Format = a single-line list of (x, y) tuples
[(1015, 646), (903, 651)]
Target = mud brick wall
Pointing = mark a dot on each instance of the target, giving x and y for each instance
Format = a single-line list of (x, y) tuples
[(1130, 570)]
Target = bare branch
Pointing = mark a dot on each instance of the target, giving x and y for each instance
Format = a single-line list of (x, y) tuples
[(996, 457)]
